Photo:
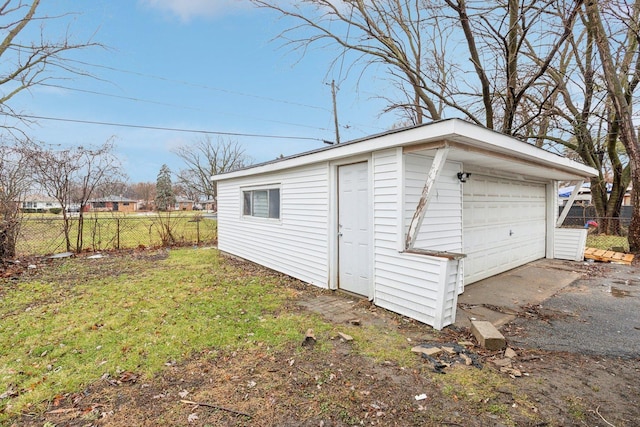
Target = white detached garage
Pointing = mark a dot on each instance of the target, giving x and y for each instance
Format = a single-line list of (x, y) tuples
[(406, 218)]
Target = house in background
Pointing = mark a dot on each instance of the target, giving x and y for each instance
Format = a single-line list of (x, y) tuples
[(39, 203), (406, 218), (183, 204), (111, 204), (584, 194), (209, 205)]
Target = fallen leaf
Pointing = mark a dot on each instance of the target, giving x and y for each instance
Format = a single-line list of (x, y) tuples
[(57, 399), (127, 376)]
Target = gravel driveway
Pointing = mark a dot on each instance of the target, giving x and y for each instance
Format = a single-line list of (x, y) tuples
[(598, 314)]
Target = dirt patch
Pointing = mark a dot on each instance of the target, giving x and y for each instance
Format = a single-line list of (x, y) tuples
[(338, 388)]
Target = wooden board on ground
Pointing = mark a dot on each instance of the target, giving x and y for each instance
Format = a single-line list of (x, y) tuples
[(608, 256)]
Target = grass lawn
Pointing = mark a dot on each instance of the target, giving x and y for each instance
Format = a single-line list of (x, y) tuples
[(603, 241), (76, 321)]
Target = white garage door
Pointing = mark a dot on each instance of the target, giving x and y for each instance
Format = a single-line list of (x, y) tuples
[(504, 225)]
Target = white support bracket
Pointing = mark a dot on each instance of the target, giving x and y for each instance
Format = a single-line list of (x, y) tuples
[(430, 184), (567, 206)]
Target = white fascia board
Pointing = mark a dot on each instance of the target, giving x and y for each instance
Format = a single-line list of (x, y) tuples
[(481, 137), (398, 138), (452, 129)]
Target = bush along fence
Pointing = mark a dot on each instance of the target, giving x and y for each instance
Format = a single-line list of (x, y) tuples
[(604, 233), (41, 235)]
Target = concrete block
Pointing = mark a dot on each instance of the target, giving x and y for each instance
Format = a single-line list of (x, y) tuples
[(345, 336), (488, 336), (429, 351)]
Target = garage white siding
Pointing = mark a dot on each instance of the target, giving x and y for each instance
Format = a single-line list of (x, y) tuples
[(569, 243), (297, 243), (421, 287), (442, 226), (504, 225)]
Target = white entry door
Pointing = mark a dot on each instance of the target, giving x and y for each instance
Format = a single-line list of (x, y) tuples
[(353, 229)]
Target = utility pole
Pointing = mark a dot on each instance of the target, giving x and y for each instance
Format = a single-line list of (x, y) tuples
[(335, 111)]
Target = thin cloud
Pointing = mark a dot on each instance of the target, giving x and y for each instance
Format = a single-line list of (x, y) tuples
[(187, 10)]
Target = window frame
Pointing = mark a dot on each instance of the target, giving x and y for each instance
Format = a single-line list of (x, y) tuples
[(253, 192)]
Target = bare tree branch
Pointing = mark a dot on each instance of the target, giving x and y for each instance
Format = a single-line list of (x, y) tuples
[(28, 63), (207, 157)]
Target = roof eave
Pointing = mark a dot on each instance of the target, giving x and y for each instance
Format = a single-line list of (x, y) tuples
[(452, 129)]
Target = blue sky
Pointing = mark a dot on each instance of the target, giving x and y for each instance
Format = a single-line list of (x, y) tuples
[(201, 64)]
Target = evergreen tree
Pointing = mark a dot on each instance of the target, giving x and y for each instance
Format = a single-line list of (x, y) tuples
[(165, 198)]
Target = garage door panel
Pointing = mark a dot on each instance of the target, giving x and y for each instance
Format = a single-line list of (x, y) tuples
[(504, 225)]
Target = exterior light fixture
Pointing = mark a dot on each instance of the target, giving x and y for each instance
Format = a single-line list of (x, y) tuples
[(463, 176)]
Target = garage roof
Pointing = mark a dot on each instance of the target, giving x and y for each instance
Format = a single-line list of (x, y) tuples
[(471, 143)]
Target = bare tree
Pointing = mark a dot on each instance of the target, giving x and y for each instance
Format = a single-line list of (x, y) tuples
[(206, 158), (112, 188), (550, 71), (145, 191), (71, 177), (577, 114), (620, 56), (28, 63), (15, 180), (183, 186), (446, 57)]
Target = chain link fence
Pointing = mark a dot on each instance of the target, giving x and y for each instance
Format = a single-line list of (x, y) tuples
[(41, 235), (604, 233)]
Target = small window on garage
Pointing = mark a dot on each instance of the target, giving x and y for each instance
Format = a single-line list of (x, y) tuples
[(261, 203)]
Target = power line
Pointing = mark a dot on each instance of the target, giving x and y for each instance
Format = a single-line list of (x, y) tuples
[(130, 98), (201, 86), (210, 132)]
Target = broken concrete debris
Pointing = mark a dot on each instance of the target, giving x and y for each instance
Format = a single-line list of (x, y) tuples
[(510, 353), (443, 355), (448, 349), (502, 362), (506, 363), (345, 336), (467, 360), (429, 351)]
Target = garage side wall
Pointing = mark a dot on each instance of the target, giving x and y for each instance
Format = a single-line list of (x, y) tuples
[(296, 244), (418, 286), (569, 243), (441, 229)]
